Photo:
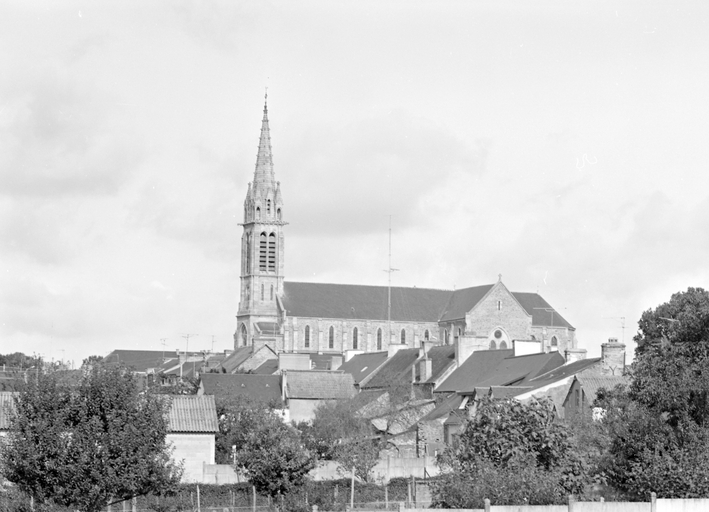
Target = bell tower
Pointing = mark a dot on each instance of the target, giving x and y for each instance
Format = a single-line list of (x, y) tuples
[(261, 251)]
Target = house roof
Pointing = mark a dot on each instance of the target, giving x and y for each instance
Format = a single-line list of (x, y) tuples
[(6, 405), (562, 372), (519, 370), (592, 383), (268, 367), (362, 365), (319, 385), (139, 360), (322, 361), (444, 408), (442, 357), (349, 301), (237, 358), (192, 414), (362, 302), (395, 370), (266, 388), (473, 370)]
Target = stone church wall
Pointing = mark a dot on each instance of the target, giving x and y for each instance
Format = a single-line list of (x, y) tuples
[(500, 310)]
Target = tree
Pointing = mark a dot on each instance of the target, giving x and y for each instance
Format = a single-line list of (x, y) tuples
[(659, 427), (339, 432), (87, 444), (511, 453)]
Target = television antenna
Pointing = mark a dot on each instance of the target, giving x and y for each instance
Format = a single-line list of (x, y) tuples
[(187, 341), (622, 324)]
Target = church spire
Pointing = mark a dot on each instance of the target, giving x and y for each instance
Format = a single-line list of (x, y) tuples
[(263, 175)]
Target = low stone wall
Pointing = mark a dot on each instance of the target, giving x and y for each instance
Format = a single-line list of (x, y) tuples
[(385, 470)]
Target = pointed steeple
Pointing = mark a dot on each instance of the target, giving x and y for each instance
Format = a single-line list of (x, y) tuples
[(263, 175)]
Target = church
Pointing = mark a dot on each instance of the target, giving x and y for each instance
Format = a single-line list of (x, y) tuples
[(338, 318)]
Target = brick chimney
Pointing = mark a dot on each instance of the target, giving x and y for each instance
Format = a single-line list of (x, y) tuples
[(425, 369), (612, 357)]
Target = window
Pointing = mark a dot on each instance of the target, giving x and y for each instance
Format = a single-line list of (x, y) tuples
[(554, 341), (379, 339), (354, 338), (268, 207), (426, 335), (503, 345), (331, 338), (493, 345), (403, 336), (272, 252), (278, 214), (262, 288), (258, 213), (243, 335), (498, 334), (271, 292), (306, 341), (263, 250), (499, 305)]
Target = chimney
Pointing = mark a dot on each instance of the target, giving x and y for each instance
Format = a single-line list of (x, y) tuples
[(612, 357), (394, 348), (464, 347), (574, 354), (425, 369), (424, 348)]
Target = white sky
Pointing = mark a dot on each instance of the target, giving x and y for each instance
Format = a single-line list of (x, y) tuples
[(562, 144)]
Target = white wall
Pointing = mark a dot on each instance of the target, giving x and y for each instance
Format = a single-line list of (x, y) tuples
[(194, 450)]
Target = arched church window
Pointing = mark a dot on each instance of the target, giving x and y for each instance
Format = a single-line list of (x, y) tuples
[(262, 252), (355, 341), (426, 335), (262, 292), (272, 252), (271, 292), (268, 207), (493, 345), (258, 213), (554, 341), (379, 339), (503, 345), (331, 338), (403, 336), (243, 335), (278, 213), (306, 340)]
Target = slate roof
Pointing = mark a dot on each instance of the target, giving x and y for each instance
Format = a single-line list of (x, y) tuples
[(562, 372), (518, 371), (6, 404), (358, 302), (319, 385), (139, 360), (592, 383), (268, 367), (473, 370), (237, 358), (193, 414), (395, 370), (442, 357), (363, 302), (443, 409), (266, 388), (361, 366)]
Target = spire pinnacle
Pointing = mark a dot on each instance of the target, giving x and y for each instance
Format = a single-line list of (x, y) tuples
[(263, 175)]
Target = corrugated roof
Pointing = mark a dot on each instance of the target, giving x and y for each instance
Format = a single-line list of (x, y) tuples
[(360, 302), (319, 385), (362, 365), (6, 405), (193, 414), (592, 383), (475, 369), (395, 370), (266, 388)]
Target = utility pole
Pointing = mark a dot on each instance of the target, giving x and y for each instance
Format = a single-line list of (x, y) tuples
[(389, 271)]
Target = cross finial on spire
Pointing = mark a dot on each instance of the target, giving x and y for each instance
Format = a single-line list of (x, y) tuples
[(499, 278)]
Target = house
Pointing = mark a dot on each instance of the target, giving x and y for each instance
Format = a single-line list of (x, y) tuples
[(264, 388), (192, 426), (304, 390), (584, 391), (362, 366)]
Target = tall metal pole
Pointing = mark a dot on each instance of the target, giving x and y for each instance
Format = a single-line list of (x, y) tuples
[(389, 271)]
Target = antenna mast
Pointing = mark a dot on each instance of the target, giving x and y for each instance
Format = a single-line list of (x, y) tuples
[(389, 271)]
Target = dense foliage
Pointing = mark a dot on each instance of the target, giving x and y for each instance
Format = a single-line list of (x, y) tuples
[(253, 437), (339, 432), (88, 443), (511, 453), (659, 427)]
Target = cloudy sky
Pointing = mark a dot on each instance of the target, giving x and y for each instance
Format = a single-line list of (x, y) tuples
[(561, 144)]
